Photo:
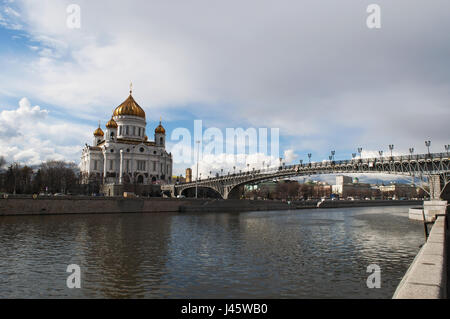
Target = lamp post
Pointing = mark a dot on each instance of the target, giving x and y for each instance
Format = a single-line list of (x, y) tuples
[(353, 155), (360, 152), (332, 154), (411, 151), (447, 148), (391, 148), (309, 156), (380, 153), (234, 169), (428, 144), (221, 171), (301, 162), (196, 179), (248, 168)]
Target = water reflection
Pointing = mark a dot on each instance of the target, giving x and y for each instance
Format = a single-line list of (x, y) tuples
[(282, 254)]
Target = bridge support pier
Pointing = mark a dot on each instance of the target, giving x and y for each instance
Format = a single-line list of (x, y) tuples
[(435, 205), (435, 187)]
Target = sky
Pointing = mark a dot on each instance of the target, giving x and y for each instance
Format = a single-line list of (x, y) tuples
[(311, 68)]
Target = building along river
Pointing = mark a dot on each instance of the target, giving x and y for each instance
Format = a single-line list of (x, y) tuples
[(309, 253)]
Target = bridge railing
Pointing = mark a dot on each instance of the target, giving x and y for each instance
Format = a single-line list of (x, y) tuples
[(307, 166)]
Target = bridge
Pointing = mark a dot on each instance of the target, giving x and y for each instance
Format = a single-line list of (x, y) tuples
[(431, 168)]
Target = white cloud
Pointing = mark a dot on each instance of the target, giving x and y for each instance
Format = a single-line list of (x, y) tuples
[(289, 156), (28, 135)]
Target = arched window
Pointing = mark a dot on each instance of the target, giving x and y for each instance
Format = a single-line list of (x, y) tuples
[(161, 141)]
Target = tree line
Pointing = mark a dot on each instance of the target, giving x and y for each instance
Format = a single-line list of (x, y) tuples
[(49, 177)]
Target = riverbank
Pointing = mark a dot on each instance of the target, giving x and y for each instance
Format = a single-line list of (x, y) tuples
[(106, 205), (426, 278)]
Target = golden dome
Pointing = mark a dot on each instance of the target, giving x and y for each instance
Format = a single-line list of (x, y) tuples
[(160, 129), (111, 123), (98, 132), (129, 107)]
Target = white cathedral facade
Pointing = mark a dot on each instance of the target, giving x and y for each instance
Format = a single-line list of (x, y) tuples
[(123, 155)]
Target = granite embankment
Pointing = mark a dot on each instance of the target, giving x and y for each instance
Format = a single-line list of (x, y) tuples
[(91, 205), (427, 276)]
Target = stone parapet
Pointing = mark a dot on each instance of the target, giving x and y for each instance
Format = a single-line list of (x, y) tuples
[(426, 278)]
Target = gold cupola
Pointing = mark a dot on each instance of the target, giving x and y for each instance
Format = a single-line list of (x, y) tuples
[(160, 129), (111, 123), (129, 107), (98, 132)]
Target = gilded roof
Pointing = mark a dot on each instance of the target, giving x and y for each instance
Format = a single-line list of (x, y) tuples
[(111, 124), (129, 107), (160, 129), (98, 132)]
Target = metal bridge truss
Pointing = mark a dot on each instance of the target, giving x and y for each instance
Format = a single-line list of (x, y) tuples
[(425, 167)]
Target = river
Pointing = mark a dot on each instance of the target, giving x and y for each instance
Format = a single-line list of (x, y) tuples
[(311, 253)]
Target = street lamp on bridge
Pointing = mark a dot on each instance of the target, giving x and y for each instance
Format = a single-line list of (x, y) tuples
[(360, 152), (353, 155), (380, 153), (428, 144), (411, 151), (447, 148), (391, 148), (309, 156)]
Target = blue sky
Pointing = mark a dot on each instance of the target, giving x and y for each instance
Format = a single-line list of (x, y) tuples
[(313, 70)]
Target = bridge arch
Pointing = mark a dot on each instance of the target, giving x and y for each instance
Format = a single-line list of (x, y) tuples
[(203, 191)]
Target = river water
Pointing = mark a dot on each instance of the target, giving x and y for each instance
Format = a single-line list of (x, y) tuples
[(275, 254)]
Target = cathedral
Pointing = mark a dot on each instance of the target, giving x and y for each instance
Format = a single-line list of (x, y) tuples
[(122, 158)]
